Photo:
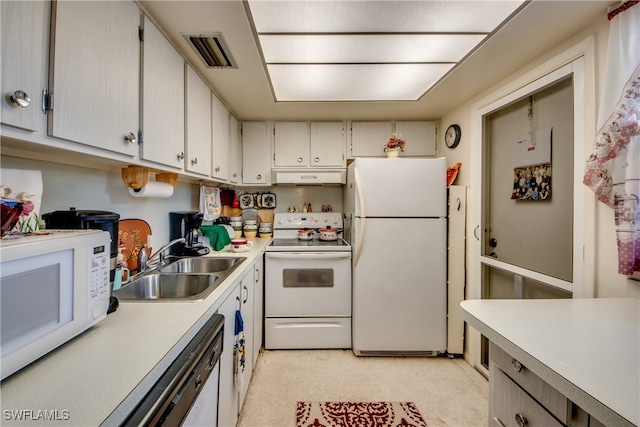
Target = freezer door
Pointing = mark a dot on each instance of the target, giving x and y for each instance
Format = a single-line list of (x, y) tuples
[(399, 286), (397, 187)]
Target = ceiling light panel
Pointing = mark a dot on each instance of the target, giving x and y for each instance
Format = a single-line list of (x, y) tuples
[(360, 48), (355, 82), (380, 16)]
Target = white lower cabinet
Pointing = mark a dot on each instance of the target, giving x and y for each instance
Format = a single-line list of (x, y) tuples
[(518, 397), (234, 389), (258, 307)]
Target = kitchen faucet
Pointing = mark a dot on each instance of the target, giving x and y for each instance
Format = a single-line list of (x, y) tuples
[(160, 254)]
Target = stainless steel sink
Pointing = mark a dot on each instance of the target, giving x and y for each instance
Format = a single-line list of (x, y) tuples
[(183, 279), (202, 265), (171, 286)]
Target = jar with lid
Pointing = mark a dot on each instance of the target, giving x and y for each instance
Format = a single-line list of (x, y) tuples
[(250, 228), (236, 223)]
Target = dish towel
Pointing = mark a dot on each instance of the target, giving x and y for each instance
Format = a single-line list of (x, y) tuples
[(210, 205), (218, 236), (238, 349)]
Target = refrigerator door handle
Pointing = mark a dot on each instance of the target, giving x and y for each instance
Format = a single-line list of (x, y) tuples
[(363, 218)]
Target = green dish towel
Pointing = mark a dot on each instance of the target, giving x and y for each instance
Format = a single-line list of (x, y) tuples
[(217, 234)]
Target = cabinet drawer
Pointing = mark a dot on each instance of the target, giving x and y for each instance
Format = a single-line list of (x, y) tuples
[(549, 397), (510, 406)]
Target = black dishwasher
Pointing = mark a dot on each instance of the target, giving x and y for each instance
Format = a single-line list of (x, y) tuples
[(169, 400)]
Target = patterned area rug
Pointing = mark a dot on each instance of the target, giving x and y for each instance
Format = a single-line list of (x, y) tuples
[(358, 414)]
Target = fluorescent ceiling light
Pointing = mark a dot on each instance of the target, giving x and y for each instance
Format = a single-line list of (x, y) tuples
[(368, 50)]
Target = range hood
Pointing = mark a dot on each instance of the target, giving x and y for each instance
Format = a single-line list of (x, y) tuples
[(309, 176)]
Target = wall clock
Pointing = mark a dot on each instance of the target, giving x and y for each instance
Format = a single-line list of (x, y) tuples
[(452, 136)]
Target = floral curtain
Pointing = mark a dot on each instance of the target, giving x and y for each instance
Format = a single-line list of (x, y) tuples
[(613, 170)]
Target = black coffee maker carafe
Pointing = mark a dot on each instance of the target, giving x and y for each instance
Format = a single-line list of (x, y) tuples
[(186, 224)]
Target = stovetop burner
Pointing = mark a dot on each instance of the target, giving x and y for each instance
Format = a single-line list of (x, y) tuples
[(285, 232)]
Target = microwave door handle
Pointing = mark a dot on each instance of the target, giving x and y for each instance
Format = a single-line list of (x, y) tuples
[(304, 255), (363, 219)]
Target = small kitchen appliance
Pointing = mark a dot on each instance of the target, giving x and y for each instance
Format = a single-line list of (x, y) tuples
[(307, 284), (88, 220), (54, 284), (186, 224)]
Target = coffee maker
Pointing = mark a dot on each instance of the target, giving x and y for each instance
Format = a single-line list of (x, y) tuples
[(186, 224)]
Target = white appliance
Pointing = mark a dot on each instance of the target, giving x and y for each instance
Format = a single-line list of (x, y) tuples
[(307, 285), (396, 224), (54, 285)]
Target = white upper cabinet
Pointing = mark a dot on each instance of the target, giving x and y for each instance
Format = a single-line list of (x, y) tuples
[(419, 136), (368, 138), (328, 144), (220, 123), (256, 153), (24, 38), (235, 172), (163, 121), (96, 74), (197, 157), (304, 144)]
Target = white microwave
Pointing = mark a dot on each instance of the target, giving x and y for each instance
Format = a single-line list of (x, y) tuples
[(54, 284)]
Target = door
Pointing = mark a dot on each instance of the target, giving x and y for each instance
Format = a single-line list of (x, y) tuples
[(256, 153), (531, 247), (163, 100), (96, 41), (399, 285), (221, 139), (25, 48), (368, 138), (291, 144), (378, 192), (328, 144), (198, 124)]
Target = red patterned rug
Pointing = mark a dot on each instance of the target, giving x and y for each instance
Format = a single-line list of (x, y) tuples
[(358, 414)]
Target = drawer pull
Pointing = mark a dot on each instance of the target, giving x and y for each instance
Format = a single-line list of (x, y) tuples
[(521, 420), (517, 366)]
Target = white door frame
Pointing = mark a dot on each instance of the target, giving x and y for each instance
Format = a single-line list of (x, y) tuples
[(578, 62)]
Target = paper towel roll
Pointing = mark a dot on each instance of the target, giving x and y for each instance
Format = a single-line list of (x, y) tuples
[(153, 189)]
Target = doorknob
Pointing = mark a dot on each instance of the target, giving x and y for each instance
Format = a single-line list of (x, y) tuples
[(493, 243)]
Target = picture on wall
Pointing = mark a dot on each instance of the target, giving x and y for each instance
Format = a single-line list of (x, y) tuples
[(532, 182)]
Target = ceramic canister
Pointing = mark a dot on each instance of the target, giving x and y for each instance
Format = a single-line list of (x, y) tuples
[(236, 223), (265, 230), (250, 229)]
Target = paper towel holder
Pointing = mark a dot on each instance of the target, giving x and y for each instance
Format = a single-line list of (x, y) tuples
[(137, 177)]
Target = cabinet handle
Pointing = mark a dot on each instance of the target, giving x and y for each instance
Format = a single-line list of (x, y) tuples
[(521, 420), (497, 422), (517, 366), (259, 176), (131, 137), (317, 159), (194, 161), (217, 169), (300, 159), (20, 98), (181, 156), (235, 175), (244, 301)]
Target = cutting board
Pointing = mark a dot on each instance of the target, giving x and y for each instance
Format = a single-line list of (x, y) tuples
[(132, 235)]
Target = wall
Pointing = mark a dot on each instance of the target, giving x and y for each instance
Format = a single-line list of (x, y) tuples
[(601, 237)]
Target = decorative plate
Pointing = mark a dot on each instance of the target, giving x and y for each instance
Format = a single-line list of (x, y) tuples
[(132, 235)]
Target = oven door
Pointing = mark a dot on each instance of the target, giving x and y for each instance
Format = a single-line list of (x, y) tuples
[(308, 284)]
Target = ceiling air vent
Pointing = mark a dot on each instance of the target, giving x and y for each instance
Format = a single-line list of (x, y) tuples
[(212, 49)]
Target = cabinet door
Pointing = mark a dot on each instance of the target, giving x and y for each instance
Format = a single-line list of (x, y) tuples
[(235, 172), (420, 137), (228, 395), (328, 144), (96, 74), (162, 99), (256, 153), (247, 310), (291, 144), (258, 308), (220, 122), (368, 138), (198, 118), (24, 38)]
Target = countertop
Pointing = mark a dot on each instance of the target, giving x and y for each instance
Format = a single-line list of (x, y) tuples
[(101, 374), (588, 349)]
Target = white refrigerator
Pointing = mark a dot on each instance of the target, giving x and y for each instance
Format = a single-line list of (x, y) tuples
[(396, 211)]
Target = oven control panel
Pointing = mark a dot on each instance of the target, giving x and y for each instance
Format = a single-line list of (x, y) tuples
[(287, 220)]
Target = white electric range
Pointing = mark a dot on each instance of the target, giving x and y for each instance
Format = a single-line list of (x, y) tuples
[(307, 285)]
